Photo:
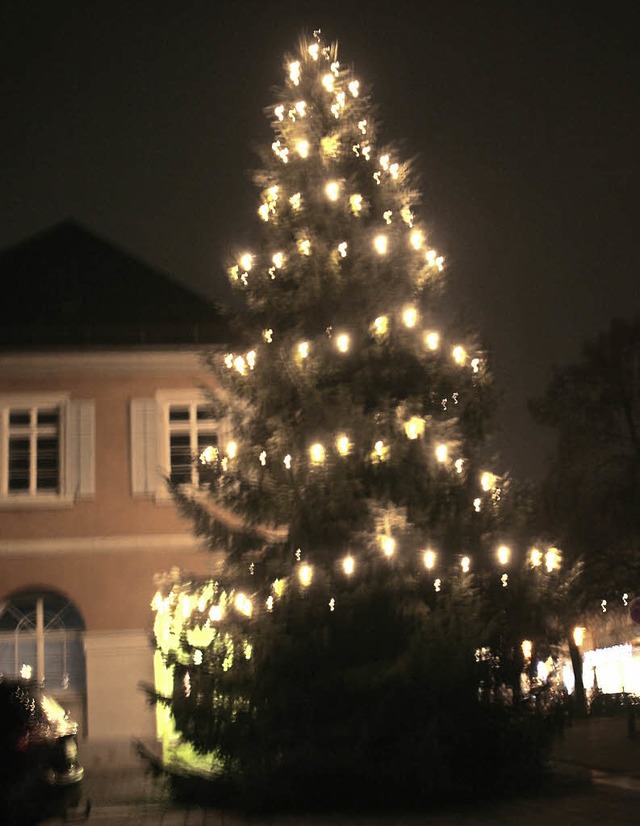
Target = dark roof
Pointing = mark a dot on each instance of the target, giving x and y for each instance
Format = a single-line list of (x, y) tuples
[(68, 287)]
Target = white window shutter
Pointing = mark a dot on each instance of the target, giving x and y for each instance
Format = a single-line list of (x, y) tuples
[(80, 449), (144, 446)]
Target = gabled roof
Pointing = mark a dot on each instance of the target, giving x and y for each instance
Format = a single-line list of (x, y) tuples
[(68, 287)]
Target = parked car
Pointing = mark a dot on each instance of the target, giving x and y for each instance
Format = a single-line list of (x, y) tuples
[(39, 770)]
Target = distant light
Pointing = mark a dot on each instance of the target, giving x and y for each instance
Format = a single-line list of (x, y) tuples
[(429, 559), (388, 545), (317, 453), (303, 349), (302, 148), (343, 444), (380, 243), (305, 574), (410, 316), (416, 238), (342, 342), (465, 564), (459, 355), (442, 453), (328, 81), (503, 554), (348, 565), (552, 559), (332, 190), (432, 340)]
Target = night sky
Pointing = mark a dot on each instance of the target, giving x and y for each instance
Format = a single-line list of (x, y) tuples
[(138, 120)]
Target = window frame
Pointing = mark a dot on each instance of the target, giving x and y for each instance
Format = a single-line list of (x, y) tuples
[(31, 402), (167, 399)]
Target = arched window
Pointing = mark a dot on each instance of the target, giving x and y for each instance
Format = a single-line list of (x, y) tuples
[(42, 637)]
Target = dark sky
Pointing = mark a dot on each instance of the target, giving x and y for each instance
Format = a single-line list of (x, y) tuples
[(138, 120)]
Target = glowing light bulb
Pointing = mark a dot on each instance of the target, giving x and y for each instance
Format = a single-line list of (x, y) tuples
[(535, 557), (429, 559), (342, 249), (384, 162), (387, 215), (380, 242), (332, 190), (279, 112), (527, 649), (459, 465), (414, 427), (208, 455), (263, 458), (246, 261), (437, 584), (278, 260), (328, 81), (317, 453), (388, 545), (442, 453), (232, 450), (287, 461), (314, 50), (343, 445), (296, 201), (477, 505), (459, 355), (416, 239), (270, 602), (305, 575), (215, 613), (552, 559), (465, 564), (302, 148), (342, 342), (354, 88), (355, 202), (488, 481), (475, 365), (294, 72), (301, 108), (263, 211), (504, 554), (303, 349), (348, 565), (251, 359), (267, 335), (432, 340), (240, 364), (381, 325), (410, 316), (304, 246)]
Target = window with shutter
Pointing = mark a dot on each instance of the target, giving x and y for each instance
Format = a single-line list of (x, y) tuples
[(46, 449)]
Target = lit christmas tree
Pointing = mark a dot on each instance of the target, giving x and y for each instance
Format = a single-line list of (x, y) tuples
[(360, 527)]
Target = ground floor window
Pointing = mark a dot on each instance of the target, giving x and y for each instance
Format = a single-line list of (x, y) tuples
[(42, 638)]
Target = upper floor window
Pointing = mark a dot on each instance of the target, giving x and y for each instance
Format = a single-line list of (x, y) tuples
[(46, 449), (33, 450), (169, 433), (191, 430)]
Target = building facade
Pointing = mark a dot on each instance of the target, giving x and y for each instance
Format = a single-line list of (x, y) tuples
[(89, 437)]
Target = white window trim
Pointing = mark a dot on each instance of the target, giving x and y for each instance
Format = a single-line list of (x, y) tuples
[(28, 499), (164, 399), (76, 435)]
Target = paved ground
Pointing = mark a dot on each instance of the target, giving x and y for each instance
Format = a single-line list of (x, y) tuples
[(597, 762)]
